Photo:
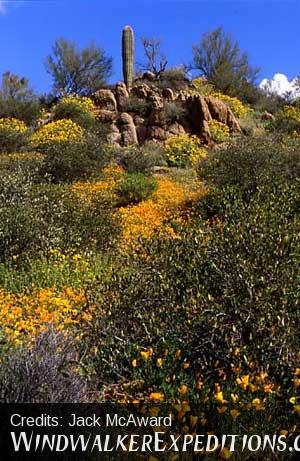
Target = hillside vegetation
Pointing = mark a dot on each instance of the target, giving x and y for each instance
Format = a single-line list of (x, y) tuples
[(155, 272)]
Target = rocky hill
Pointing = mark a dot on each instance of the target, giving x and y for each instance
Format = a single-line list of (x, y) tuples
[(153, 112)]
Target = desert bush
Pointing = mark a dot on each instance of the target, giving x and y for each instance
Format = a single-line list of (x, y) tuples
[(220, 60), (59, 131), (267, 102), (140, 159), (287, 120), (79, 110), (66, 161), (46, 372), (248, 163), (227, 288), (238, 108), (253, 125), (78, 71), (201, 86), (173, 112), (36, 217), (54, 270), (134, 188), (137, 106), (20, 161), (183, 150), (174, 78), (219, 131), (210, 314), (17, 100), (27, 111), (13, 135), (254, 252)]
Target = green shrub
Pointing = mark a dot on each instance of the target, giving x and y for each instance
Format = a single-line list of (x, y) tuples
[(13, 135), (248, 163), (55, 268), (60, 131), (201, 86), (140, 159), (69, 161), (219, 131), (134, 188), (230, 287), (253, 125), (39, 217), (184, 150), (174, 78), (27, 111), (222, 297), (79, 110), (20, 161), (173, 112), (137, 106), (287, 120)]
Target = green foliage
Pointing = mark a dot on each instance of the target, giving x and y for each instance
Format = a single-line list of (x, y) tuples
[(36, 217), (174, 78), (15, 87), (128, 55), (140, 159), (224, 294), (203, 87), (14, 135), (53, 268), (250, 163), (253, 124), (287, 120), (267, 102), (184, 150), (28, 162), (138, 106), (173, 112), (79, 110), (219, 131), (222, 286), (69, 161), (134, 188), (17, 100), (221, 62), (76, 71)]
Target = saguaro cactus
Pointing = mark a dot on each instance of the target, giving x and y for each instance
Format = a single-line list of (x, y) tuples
[(128, 55)]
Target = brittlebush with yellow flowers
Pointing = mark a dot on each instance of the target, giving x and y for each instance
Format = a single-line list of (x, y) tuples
[(13, 134), (57, 132), (184, 150)]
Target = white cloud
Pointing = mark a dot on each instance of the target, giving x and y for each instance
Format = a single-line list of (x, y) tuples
[(280, 85)]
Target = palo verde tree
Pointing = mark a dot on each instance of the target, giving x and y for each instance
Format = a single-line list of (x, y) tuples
[(15, 87), (219, 59), (78, 71), (17, 99)]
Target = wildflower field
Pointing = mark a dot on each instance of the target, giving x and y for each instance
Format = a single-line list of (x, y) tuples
[(178, 286)]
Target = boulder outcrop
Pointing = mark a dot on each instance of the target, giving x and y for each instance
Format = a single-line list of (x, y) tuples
[(105, 100), (127, 130), (142, 114)]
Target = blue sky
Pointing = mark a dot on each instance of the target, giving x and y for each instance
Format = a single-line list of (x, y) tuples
[(267, 29)]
